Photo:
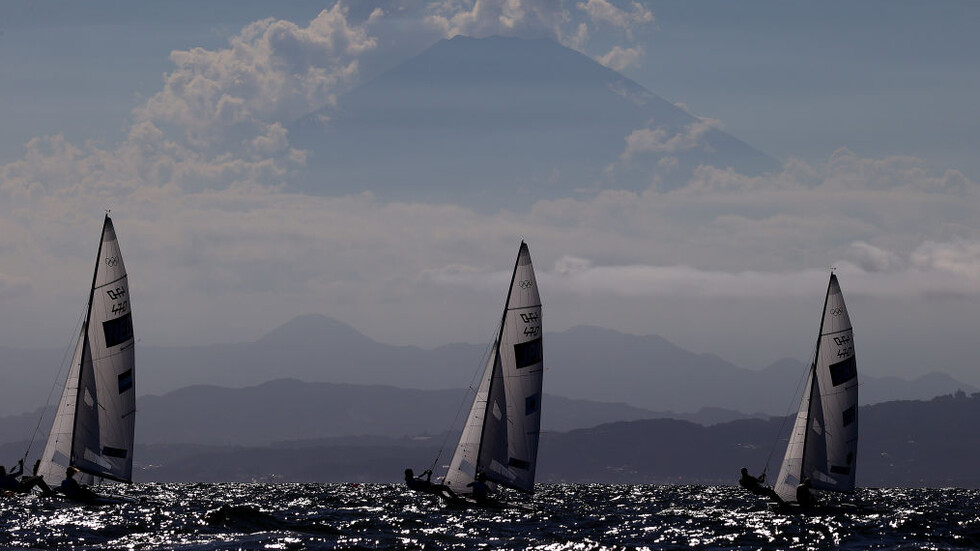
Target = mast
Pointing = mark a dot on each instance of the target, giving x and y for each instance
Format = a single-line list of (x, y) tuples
[(813, 374), (496, 350), (85, 325)]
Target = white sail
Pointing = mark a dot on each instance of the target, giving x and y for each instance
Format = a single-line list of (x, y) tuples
[(462, 468), (56, 456), (94, 427), (500, 438), (823, 444)]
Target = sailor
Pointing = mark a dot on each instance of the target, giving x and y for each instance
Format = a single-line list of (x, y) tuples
[(426, 486), (73, 490), (803, 494), (9, 481), (481, 492), (756, 485), (751, 483)]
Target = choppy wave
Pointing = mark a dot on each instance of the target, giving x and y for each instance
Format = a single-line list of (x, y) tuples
[(558, 517)]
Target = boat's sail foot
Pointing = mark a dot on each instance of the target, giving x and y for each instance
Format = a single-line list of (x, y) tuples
[(94, 426), (823, 444), (500, 438)]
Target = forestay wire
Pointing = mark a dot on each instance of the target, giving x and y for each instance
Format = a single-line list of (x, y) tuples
[(462, 404), (58, 378), (794, 400), (797, 395)]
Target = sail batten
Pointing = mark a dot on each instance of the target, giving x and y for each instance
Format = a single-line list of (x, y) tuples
[(500, 438), (94, 427), (823, 442)]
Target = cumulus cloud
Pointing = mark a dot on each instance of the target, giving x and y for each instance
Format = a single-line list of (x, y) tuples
[(482, 18), (605, 12), (873, 259), (658, 139), (549, 19), (217, 122), (960, 258), (898, 171), (272, 71), (620, 58), (568, 265)]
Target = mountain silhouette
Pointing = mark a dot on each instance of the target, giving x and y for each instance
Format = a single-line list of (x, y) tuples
[(586, 363), (287, 409), (903, 444), (290, 410), (491, 122)]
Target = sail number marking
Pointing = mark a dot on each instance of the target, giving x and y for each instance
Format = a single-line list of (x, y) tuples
[(845, 347), (119, 293), (529, 319), (116, 294)]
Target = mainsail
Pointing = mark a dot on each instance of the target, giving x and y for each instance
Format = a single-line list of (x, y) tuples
[(823, 444), (500, 438), (94, 426)]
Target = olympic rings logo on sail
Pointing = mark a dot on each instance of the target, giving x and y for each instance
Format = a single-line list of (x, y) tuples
[(525, 284), (112, 261), (837, 311)]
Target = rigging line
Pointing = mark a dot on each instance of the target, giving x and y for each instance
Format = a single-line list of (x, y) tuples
[(794, 400), (475, 378), (61, 368), (798, 393)]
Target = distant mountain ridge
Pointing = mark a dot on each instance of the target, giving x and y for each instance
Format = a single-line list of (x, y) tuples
[(285, 410), (496, 121), (903, 444), (288, 409), (589, 363)]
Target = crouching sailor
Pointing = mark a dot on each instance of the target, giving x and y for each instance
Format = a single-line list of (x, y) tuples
[(73, 490), (804, 496), (756, 485), (9, 482), (426, 486)]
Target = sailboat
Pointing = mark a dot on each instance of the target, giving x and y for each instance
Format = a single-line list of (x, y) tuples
[(93, 428), (500, 438), (823, 445)]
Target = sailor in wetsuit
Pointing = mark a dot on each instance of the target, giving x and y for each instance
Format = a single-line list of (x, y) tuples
[(803, 494), (73, 490), (756, 485), (9, 481), (426, 486), (481, 492)]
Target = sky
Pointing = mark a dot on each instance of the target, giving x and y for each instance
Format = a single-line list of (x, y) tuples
[(173, 115)]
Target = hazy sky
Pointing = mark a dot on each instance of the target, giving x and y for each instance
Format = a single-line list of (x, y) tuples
[(173, 114)]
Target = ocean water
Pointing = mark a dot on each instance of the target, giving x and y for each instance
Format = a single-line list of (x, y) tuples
[(557, 517)]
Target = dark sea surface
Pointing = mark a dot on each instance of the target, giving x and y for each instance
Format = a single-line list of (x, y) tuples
[(557, 517)]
